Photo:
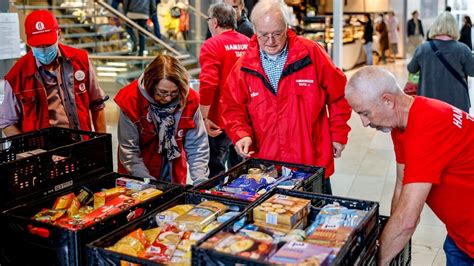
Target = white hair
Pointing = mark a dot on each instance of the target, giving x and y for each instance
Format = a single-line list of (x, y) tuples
[(268, 6), (371, 82)]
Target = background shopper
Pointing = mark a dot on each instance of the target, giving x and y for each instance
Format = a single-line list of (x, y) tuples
[(284, 99), (392, 27), (217, 57), (436, 81), (414, 32), (465, 34), (368, 37), (381, 28), (52, 85), (434, 148), (160, 129)]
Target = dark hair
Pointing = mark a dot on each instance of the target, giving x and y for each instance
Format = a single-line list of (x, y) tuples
[(369, 19), (225, 15), (169, 68), (468, 21), (414, 12), (448, 8)]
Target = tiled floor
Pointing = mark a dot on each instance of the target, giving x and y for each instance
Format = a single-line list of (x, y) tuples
[(366, 171)]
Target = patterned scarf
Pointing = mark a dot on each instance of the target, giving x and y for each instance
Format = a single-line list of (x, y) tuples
[(165, 124)]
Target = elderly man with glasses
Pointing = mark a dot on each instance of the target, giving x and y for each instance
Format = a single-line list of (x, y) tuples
[(284, 99)]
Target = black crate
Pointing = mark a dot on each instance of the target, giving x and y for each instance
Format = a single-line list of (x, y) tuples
[(71, 156), (98, 255), (48, 244), (370, 258), (313, 184), (347, 255)]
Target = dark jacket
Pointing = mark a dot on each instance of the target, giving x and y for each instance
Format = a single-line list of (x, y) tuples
[(368, 31), (411, 27), (146, 7), (465, 36), (244, 26)]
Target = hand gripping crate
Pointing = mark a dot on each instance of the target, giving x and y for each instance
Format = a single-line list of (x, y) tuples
[(370, 257), (28, 241), (98, 255), (42, 162), (314, 183), (348, 254)]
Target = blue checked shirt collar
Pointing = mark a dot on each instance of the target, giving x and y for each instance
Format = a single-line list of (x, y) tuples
[(274, 67)]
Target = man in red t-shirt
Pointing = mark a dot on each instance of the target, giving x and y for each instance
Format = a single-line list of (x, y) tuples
[(434, 147), (217, 57)]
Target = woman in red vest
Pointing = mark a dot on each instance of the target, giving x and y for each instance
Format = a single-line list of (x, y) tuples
[(160, 129)]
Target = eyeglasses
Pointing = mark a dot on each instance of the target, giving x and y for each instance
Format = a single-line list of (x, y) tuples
[(275, 35), (163, 94)]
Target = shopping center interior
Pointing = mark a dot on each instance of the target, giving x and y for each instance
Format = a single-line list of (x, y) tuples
[(366, 169)]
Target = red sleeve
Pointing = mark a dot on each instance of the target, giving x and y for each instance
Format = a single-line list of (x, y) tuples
[(333, 81), (235, 96), (210, 72)]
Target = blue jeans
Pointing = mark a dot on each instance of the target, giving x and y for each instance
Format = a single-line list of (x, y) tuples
[(141, 37), (368, 52), (156, 25), (455, 256)]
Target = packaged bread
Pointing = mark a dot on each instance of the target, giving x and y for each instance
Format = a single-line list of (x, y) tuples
[(162, 249), (200, 216), (172, 213), (282, 210)]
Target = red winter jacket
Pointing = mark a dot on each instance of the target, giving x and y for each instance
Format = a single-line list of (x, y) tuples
[(29, 90), (298, 124), (135, 106), (218, 56)]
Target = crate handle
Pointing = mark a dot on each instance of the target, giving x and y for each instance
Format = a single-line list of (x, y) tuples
[(5, 145), (42, 232), (138, 212)]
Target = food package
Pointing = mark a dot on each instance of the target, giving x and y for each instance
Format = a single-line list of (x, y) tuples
[(100, 198), (133, 184), (26, 154), (200, 216), (132, 244), (301, 224), (301, 253), (247, 184), (261, 234), (172, 213), (63, 202), (282, 210), (146, 194), (85, 196), (48, 215), (213, 225), (114, 206), (239, 245), (151, 234), (227, 216), (333, 225), (73, 208), (162, 249)]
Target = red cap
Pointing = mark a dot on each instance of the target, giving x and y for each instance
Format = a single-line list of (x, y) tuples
[(41, 27)]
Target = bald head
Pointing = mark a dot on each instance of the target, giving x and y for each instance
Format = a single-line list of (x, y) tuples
[(370, 83), (270, 8)]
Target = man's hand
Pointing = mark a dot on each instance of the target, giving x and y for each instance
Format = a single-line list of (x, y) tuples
[(212, 129), (242, 147), (337, 149)]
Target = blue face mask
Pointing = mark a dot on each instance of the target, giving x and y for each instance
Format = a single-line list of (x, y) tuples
[(45, 55)]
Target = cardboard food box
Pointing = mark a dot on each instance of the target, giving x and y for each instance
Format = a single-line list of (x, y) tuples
[(282, 210)]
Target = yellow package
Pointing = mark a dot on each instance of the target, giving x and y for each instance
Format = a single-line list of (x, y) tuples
[(73, 208), (146, 194), (100, 198), (172, 213), (151, 234), (131, 244), (200, 216)]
